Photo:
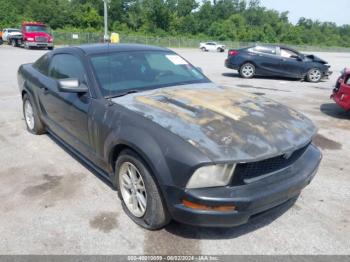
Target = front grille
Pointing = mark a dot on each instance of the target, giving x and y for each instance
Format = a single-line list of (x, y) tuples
[(252, 170), (41, 39)]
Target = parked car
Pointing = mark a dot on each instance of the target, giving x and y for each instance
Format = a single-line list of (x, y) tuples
[(174, 144), (10, 32), (33, 34), (274, 60), (211, 46), (341, 92)]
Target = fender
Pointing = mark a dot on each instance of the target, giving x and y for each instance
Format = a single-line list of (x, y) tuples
[(143, 144)]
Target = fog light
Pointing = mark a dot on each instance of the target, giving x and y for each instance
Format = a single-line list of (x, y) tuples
[(192, 205)]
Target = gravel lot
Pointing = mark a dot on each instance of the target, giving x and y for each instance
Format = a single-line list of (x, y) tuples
[(51, 204)]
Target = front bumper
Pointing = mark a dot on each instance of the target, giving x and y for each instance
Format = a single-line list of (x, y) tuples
[(327, 73), (250, 199), (39, 44)]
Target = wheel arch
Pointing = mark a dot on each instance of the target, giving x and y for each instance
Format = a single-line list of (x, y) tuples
[(121, 146)]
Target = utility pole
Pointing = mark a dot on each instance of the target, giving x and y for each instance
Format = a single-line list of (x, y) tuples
[(106, 37)]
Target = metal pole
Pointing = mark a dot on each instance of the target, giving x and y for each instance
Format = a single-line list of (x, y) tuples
[(106, 37)]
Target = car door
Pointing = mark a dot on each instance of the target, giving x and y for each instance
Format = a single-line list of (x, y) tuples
[(266, 60), (290, 63), (67, 113), (210, 46)]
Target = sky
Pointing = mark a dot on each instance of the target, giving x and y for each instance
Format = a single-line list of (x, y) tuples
[(337, 11)]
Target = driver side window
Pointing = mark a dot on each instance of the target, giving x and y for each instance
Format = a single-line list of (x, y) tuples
[(288, 53), (65, 66)]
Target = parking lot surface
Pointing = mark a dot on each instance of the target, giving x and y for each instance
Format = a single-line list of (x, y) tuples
[(51, 204)]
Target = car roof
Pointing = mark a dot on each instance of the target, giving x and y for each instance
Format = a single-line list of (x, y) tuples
[(93, 49), (274, 46)]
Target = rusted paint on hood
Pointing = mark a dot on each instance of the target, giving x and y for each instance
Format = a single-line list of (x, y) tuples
[(223, 123)]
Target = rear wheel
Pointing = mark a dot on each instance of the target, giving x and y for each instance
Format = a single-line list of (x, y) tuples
[(139, 193), (314, 75), (247, 70), (31, 117)]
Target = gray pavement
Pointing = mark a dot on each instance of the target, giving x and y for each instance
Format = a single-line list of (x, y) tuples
[(51, 204)]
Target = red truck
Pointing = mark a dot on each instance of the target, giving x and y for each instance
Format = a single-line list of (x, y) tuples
[(341, 92), (34, 34)]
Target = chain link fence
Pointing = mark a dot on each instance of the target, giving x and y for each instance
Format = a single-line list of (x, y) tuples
[(63, 38)]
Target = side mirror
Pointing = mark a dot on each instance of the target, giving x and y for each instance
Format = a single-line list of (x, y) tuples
[(71, 85), (297, 57)]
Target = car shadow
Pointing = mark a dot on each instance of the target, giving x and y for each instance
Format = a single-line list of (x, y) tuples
[(335, 111), (260, 221)]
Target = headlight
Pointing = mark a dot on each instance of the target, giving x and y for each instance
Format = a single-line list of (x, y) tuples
[(211, 176), (30, 39)]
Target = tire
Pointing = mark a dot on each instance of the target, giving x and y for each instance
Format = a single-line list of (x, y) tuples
[(31, 117), (14, 43), (314, 75), (26, 46), (152, 214), (247, 70), (50, 48), (220, 50), (203, 49)]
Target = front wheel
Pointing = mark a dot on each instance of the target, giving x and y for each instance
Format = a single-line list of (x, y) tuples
[(314, 75), (31, 117), (203, 49), (50, 48), (247, 70), (139, 193)]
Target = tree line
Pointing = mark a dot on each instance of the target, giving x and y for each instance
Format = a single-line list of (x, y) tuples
[(234, 20)]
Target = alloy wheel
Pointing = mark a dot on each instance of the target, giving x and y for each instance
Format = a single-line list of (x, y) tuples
[(315, 75), (29, 114), (248, 70), (133, 189)]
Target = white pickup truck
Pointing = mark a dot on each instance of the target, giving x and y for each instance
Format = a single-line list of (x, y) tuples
[(10, 33), (211, 46)]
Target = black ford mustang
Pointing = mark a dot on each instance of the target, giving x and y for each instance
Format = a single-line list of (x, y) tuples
[(173, 144), (276, 60)]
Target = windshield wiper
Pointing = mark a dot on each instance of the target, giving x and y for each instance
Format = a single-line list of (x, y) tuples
[(124, 93)]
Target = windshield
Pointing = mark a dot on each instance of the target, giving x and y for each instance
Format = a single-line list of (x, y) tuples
[(119, 73), (36, 28), (14, 31)]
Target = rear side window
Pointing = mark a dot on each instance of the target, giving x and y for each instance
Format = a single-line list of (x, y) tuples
[(66, 66), (265, 50), (42, 64)]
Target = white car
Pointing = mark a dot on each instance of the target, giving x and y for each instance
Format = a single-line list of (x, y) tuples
[(211, 46), (10, 32)]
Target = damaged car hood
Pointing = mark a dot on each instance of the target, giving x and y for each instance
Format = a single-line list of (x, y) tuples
[(223, 123), (316, 59)]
